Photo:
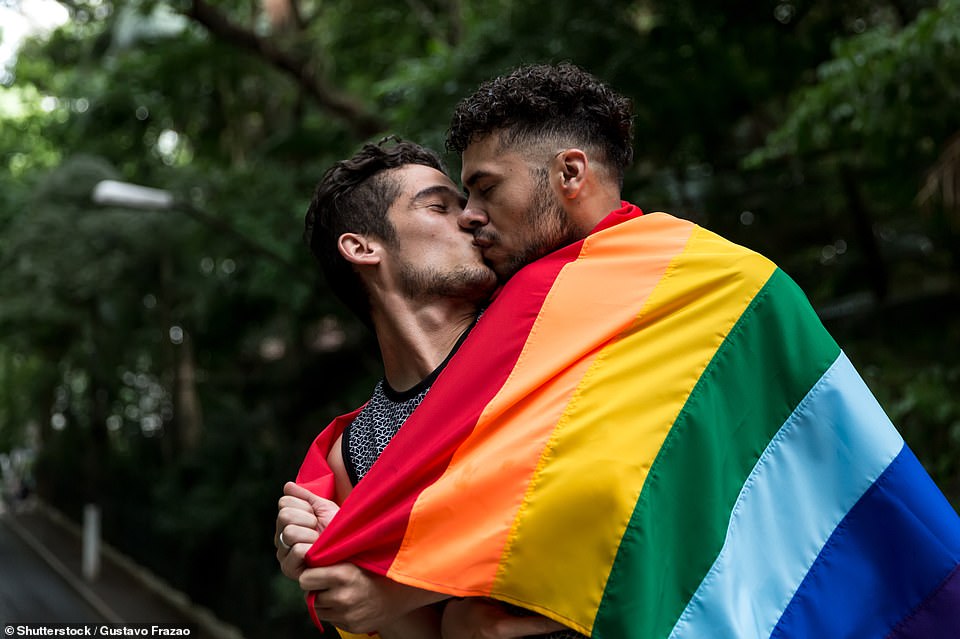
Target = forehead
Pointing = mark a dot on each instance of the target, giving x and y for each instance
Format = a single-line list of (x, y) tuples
[(488, 156), (413, 178)]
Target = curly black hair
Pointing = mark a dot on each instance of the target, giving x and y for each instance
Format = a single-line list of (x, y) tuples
[(559, 102), (353, 196)]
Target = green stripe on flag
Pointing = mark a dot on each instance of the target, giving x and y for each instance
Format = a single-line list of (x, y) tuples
[(775, 353)]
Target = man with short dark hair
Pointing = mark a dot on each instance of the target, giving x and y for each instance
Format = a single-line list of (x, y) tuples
[(384, 227)]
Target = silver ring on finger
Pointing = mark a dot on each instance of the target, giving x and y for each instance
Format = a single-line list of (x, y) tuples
[(284, 544)]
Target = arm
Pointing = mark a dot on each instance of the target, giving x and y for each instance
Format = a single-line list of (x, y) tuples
[(422, 623), (476, 618)]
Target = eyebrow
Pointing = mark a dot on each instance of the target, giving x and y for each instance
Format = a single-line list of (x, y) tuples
[(437, 189), (475, 177)]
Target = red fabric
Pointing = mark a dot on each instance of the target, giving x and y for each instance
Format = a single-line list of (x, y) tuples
[(315, 473)]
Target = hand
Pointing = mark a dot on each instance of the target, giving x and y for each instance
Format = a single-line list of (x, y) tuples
[(359, 601), (301, 518), (475, 618)]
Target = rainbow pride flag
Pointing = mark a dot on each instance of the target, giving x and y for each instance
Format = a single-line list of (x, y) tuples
[(650, 434)]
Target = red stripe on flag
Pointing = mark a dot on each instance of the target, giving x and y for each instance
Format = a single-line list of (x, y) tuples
[(371, 525)]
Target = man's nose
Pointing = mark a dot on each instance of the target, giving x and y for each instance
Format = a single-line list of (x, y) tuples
[(471, 218)]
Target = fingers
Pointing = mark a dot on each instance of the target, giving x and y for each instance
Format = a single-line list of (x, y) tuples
[(301, 517), (294, 503), (299, 497), (297, 528), (295, 517), (328, 578), (294, 511), (294, 534), (346, 596), (295, 490), (293, 561)]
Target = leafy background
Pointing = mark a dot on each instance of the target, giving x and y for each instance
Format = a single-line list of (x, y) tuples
[(173, 366)]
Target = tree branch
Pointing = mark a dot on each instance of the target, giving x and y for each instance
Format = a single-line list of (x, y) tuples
[(455, 29), (344, 106)]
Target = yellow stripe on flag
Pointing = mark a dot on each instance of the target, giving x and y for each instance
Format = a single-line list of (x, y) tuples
[(470, 510), (589, 479)]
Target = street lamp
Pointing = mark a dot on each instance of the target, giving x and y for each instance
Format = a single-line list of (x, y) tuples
[(134, 196), (145, 198)]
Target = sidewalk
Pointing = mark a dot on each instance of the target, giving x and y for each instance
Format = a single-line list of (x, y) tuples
[(123, 591)]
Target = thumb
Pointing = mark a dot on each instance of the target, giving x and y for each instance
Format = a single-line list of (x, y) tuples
[(323, 509)]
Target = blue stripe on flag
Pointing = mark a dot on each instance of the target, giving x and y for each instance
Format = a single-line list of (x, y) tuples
[(892, 552), (820, 463)]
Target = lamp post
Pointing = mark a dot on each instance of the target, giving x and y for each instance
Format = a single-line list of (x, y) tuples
[(145, 198), (114, 193)]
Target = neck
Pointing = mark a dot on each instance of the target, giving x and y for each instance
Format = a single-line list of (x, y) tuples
[(587, 212), (416, 336)]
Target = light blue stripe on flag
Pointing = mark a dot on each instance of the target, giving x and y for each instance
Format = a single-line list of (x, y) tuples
[(822, 460)]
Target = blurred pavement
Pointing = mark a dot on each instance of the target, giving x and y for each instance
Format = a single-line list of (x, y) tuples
[(41, 580)]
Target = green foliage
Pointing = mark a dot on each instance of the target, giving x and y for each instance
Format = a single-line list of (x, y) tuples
[(192, 354), (887, 97)]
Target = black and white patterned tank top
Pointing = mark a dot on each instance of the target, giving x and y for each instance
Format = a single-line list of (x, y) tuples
[(365, 438), (369, 433)]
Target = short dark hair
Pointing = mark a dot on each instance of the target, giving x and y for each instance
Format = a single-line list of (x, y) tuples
[(353, 196), (541, 101)]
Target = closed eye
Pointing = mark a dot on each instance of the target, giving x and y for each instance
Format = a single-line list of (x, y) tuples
[(438, 198), (481, 192)]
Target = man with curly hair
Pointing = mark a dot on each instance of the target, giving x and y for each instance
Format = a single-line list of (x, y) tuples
[(544, 152)]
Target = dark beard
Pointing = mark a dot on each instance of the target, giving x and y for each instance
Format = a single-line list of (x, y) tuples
[(553, 230), (475, 284)]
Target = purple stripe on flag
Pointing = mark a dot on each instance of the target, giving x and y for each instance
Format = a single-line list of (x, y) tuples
[(890, 553), (938, 617)]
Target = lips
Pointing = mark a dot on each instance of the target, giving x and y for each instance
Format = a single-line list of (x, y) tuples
[(482, 240)]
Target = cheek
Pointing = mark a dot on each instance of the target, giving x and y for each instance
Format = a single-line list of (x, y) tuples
[(514, 220)]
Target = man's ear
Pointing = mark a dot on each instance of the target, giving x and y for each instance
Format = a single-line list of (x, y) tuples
[(570, 167), (359, 249)]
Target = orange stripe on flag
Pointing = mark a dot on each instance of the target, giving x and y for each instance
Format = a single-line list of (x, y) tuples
[(520, 419)]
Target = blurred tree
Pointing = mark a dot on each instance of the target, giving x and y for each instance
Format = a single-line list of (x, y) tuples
[(877, 126), (878, 115)]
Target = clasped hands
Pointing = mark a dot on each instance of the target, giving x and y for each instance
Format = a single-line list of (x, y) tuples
[(360, 602)]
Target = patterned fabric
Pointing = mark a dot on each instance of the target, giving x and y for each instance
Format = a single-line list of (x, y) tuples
[(371, 431), (651, 434)]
